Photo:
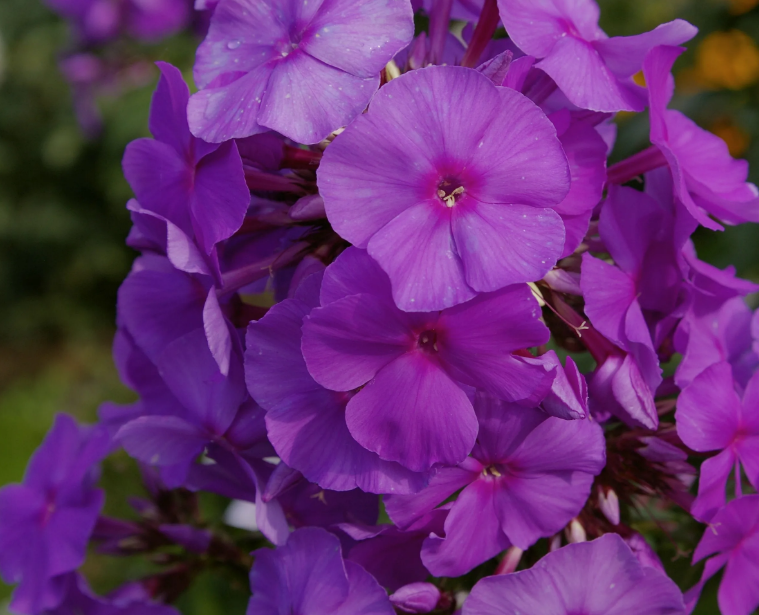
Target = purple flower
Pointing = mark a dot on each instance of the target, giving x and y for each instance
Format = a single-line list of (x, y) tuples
[(46, 522), (392, 555), (594, 71), (451, 193), (528, 476), (159, 304), (97, 21), (733, 538), (198, 187), (308, 576), (213, 411), (586, 153), (625, 302), (409, 365), (712, 417), (707, 180), (301, 69), (305, 421), (80, 600), (601, 577), (717, 326)]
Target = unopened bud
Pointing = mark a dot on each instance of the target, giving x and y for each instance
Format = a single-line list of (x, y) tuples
[(576, 532), (416, 598), (510, 561), (608, 502)]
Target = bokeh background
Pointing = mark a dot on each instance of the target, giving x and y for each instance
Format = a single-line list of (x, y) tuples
[(63, 220)]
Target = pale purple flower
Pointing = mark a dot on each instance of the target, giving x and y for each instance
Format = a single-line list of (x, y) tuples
[(601, 577), (707, 180), (301, 69), (46, 522), (451, 193), (305, 421), (98, 21), (733, 539), (409, 365), (308, 576), (197, 186), (528, 476), (711, 416), (594, 71)]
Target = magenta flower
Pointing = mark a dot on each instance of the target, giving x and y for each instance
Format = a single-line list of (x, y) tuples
[(305, 421), (46, 522), (197, 186), (450, 193), (707, 180), (409, 365), (594, 71), (602, 577), (301, 69), (308, 576), (712, 417), (528, 476), (733, 539)]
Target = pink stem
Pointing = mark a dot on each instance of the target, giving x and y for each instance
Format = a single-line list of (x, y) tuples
[(483, 33), (635, 166)]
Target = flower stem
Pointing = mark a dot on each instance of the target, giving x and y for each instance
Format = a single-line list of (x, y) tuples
[(635, 166), (483, 33)]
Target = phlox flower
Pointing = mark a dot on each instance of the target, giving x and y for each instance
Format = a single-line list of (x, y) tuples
[(601, 577), (197, 186), (308, 576), (306, 422), (594, 71), (408, 366), (303, 69), (732, 538), (46, 521), (711, 416), (449, 182), (527, 477), (707, 180)]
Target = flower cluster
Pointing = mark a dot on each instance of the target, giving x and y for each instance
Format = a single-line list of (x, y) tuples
[(367, 260)]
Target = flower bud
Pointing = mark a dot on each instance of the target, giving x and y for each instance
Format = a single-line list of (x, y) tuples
[(576, 532), (416, 598), (608, 503)]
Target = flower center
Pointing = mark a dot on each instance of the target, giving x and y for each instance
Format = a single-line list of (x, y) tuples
[(449, 191), (491, 471), (428, 341), (285, 46)]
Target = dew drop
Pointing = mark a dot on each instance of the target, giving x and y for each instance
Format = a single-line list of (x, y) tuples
[(233, 44)]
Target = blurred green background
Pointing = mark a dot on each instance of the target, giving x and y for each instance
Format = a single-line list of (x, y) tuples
[(63, 221)]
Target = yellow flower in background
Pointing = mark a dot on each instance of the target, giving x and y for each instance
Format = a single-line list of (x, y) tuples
[(728, 60), (737, 139), (738, 7)]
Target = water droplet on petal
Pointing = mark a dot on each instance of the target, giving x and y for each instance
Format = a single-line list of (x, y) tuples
[(233, 44)]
